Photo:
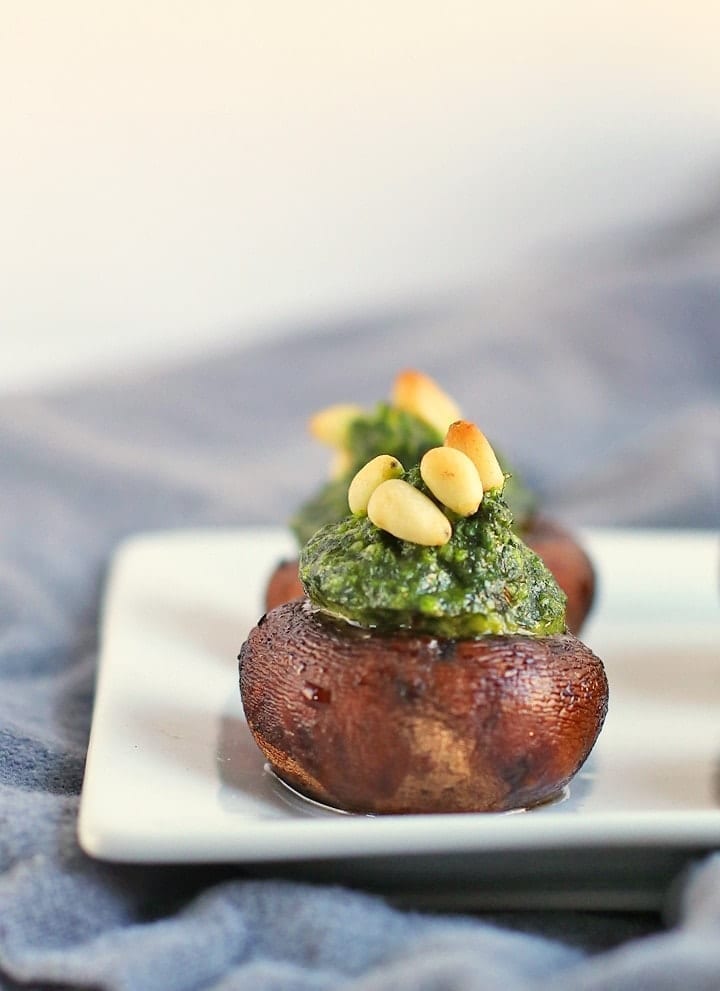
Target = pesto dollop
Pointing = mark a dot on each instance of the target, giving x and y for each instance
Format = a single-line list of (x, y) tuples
[(389, 430), (485, 580)]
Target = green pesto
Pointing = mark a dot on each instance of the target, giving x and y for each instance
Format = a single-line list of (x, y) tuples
[(485, 580), (388, 430)]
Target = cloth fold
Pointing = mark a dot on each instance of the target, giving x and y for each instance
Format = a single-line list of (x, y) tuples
[(602, 383)]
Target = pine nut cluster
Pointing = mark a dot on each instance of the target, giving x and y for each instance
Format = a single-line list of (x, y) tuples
[(457, 474)]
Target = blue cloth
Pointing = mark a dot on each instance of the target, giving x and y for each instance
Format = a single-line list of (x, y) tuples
[(602, 380)]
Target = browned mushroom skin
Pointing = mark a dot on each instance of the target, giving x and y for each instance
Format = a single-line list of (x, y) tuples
[(402, 723), (284, 585), (561, 553)]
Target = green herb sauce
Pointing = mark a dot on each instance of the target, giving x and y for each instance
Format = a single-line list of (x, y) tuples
[(485, 580)]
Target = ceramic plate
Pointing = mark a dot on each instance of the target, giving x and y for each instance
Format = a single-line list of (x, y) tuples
[(173, 775)]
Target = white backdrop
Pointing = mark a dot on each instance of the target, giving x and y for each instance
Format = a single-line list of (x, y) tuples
[(174, 175)]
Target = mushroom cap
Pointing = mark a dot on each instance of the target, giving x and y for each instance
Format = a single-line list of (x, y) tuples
[(402, 723), (284, 584)]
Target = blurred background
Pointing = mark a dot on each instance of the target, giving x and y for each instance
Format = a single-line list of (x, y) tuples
[(176, 177)]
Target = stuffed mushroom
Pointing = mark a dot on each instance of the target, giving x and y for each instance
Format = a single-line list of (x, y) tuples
[(429, 668)]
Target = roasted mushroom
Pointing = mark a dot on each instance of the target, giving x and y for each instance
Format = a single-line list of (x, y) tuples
[(429, 669), (380, 723)]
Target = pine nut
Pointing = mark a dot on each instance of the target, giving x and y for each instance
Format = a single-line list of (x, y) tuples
[(402, 510), (469, 439), (330, 425), (374, 473), (417, 393), (453, 479)]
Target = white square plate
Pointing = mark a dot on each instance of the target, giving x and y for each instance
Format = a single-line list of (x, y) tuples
[(173, 774)]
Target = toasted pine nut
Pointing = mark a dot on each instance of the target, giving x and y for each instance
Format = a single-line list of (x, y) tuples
[(417, 393), (374, 473), (408, 514), (453, 479), (330, 425), (469, 439)]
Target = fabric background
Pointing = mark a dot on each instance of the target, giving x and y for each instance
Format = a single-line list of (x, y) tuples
[(600, 376)]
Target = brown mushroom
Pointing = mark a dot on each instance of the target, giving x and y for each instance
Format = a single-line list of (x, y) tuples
[(284, 585), (402, 723), (559, 550)]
